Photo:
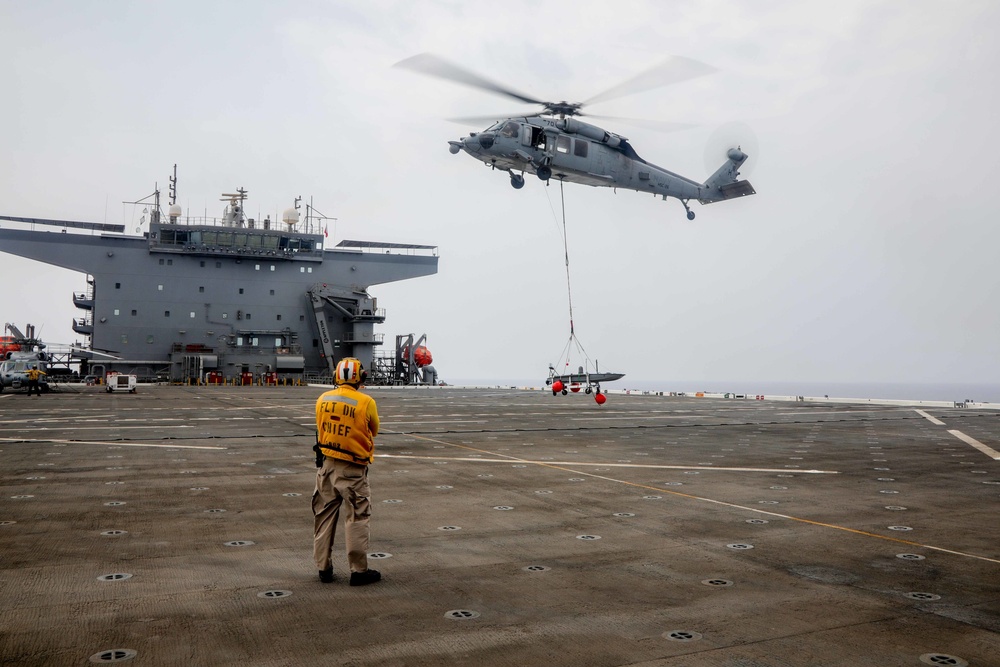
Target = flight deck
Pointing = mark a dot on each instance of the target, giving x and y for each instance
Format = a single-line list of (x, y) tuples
[(511, 527)]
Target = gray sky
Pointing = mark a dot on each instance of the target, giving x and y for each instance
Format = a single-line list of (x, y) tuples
[(868, 254)]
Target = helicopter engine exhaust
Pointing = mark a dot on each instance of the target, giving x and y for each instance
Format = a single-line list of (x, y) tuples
[(573, 126)]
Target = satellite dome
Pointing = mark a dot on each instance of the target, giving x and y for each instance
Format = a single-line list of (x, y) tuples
[(290, 216), (175, 211)]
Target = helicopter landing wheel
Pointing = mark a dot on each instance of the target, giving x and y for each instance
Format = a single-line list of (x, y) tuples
[(688, 209), (544, 173), (516, 182)]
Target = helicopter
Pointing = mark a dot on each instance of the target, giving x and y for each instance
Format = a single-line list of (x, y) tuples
[(554, 143)]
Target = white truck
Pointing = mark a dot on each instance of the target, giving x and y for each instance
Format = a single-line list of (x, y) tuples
[(120, 382)]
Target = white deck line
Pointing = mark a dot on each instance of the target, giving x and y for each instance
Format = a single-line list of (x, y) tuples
[(113, 443), (933, 420), (476, 459), (989, 451)]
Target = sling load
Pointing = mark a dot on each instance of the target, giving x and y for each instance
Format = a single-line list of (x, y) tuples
[(587, 376)]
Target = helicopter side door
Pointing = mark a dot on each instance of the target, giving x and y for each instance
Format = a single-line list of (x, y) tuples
[(587, 160)]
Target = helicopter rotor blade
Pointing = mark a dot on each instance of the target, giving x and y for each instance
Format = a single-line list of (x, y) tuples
[(658, 125), (480, 120), (672, 70), (432, 65)]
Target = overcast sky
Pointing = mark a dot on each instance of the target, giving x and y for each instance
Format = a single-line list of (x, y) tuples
[(869, 253)]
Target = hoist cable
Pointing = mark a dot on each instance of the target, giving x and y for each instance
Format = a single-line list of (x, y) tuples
[(569, 289)]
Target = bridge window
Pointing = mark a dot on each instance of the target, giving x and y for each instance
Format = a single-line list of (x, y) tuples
[(580, 147), (562, 144)]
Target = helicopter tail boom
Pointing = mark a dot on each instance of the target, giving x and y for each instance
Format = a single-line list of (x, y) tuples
[(724, 183)]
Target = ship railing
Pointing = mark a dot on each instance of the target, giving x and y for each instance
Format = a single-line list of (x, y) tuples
[(248, 350), (267, 351), (301, 227), (379, 248), (377, 314), (372, 339)]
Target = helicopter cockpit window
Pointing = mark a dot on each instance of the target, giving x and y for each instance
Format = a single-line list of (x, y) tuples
[(511, 130), (562, 143)]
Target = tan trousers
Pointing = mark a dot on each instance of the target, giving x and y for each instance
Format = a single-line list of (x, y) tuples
[(338, 481)]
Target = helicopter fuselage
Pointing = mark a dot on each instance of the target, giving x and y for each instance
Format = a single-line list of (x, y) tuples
[(578, 152)]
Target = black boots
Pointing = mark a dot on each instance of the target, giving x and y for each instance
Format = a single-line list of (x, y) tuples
[(357, 578), (367, 577)]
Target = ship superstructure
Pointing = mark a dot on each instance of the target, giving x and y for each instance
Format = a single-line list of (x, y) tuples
[(218, 299)]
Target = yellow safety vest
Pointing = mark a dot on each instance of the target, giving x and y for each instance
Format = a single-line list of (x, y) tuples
[(33, 374), (344, 425)]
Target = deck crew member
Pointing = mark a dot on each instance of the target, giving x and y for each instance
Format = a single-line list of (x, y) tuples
[(346, 425), (34, 375)]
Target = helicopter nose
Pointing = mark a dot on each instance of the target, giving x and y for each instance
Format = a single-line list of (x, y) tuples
[(471, 144), (486, 140)]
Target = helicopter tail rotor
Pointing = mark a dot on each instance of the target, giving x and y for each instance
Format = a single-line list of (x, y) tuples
[(728, 137)]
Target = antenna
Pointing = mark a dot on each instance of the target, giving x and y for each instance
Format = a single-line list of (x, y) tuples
[(173, 186)]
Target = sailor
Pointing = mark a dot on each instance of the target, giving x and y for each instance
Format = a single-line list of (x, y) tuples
[(346, 425), (34, 375)]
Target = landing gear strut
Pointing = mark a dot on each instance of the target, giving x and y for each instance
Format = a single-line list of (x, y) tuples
[(688, 209)]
